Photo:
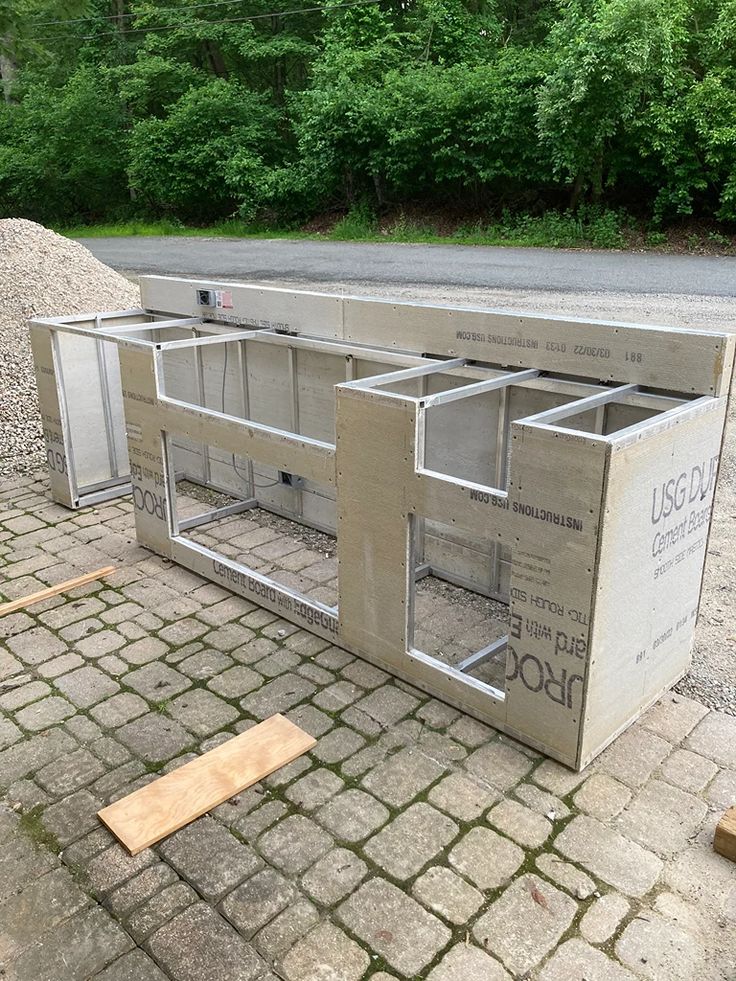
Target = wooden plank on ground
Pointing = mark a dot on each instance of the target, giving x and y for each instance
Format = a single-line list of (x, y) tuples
[(724, 841), (62, 587), (162, 807)]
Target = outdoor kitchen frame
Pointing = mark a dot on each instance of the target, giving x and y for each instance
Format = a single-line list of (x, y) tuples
[(565, 467)]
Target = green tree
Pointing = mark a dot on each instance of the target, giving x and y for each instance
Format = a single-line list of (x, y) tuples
[(182, 163)]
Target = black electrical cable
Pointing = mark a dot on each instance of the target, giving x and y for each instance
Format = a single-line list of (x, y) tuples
[(175, 27), (247, 480)]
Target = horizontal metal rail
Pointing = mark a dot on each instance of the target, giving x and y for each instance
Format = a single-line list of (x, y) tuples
[(241, 335), (479, 388), (550, 416), (203, 519), (484, 654), (151, 325), (367, 384), (450, 671), (343, 348)]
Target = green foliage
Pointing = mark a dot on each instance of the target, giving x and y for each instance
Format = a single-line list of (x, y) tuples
[(556, 114), (61, 151), (205, 154)]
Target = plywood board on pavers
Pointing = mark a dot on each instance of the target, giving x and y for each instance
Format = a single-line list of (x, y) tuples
[(174, 800), (724, 840)]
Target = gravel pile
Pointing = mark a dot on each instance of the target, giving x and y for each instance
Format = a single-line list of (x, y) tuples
[(41, 274)]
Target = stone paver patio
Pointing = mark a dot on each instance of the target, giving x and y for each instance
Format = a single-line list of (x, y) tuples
[(412, 842)]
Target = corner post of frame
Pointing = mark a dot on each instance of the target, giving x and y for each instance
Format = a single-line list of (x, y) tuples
[(146, 449)]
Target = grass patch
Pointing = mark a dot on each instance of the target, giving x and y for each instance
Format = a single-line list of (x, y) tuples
[(224, 229), (33, 827), (588, 228)]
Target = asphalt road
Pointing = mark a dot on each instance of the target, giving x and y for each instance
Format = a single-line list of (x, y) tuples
[(422, 265)]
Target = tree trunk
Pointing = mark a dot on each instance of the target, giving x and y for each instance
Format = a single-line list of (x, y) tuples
[(7, 69), (577, 191), (215, 59)]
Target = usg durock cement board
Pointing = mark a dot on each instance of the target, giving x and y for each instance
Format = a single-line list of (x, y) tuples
[(563, 467)]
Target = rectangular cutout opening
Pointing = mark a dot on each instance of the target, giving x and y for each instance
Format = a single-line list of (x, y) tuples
[(242, 511), (456, 618)]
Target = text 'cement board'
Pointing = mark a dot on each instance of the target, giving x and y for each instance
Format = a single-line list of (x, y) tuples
[(564, 467)]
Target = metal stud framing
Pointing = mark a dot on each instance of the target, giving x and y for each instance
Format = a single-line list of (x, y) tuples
[(566, 466)]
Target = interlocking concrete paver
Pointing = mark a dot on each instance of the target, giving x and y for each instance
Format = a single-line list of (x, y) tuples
[(45, 713), (498, 764), (447, 894), (464, 962), (46, 902), (634, 756), (258, 900), (278, 695), (525, 923), (60, 665), (576, 959), (485, 858), (23, 692), (157, 682), (395, 926), (602, 797), (400, 778), (398, 782), (209, 857), (715, 737), (462, 797), (72, 817), (333, 876), (688, 771), (656, 949), (202, 711), (337, 745), (722, 791), (410, 841), (602, 919), (20, 864), (662, 818), (232, 683), (36, 645), (133, 966), (278, 936), (621, 863), (9, 733), (524, 826), (139, 889), (198, 945), (570, 878), (673, 717), (121, 708), (294, 844), (154, 737), (325, 952), (112, 867), (352, 815), (314, 789), (72, 772), (388, 705), (86, 686), (78, 948), (26, 757), (161, 908)]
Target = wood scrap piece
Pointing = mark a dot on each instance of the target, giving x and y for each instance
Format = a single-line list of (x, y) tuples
[(61, 587), (724, 841), (174, 800)]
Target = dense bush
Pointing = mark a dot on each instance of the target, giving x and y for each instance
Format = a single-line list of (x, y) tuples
[(198, 114)]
